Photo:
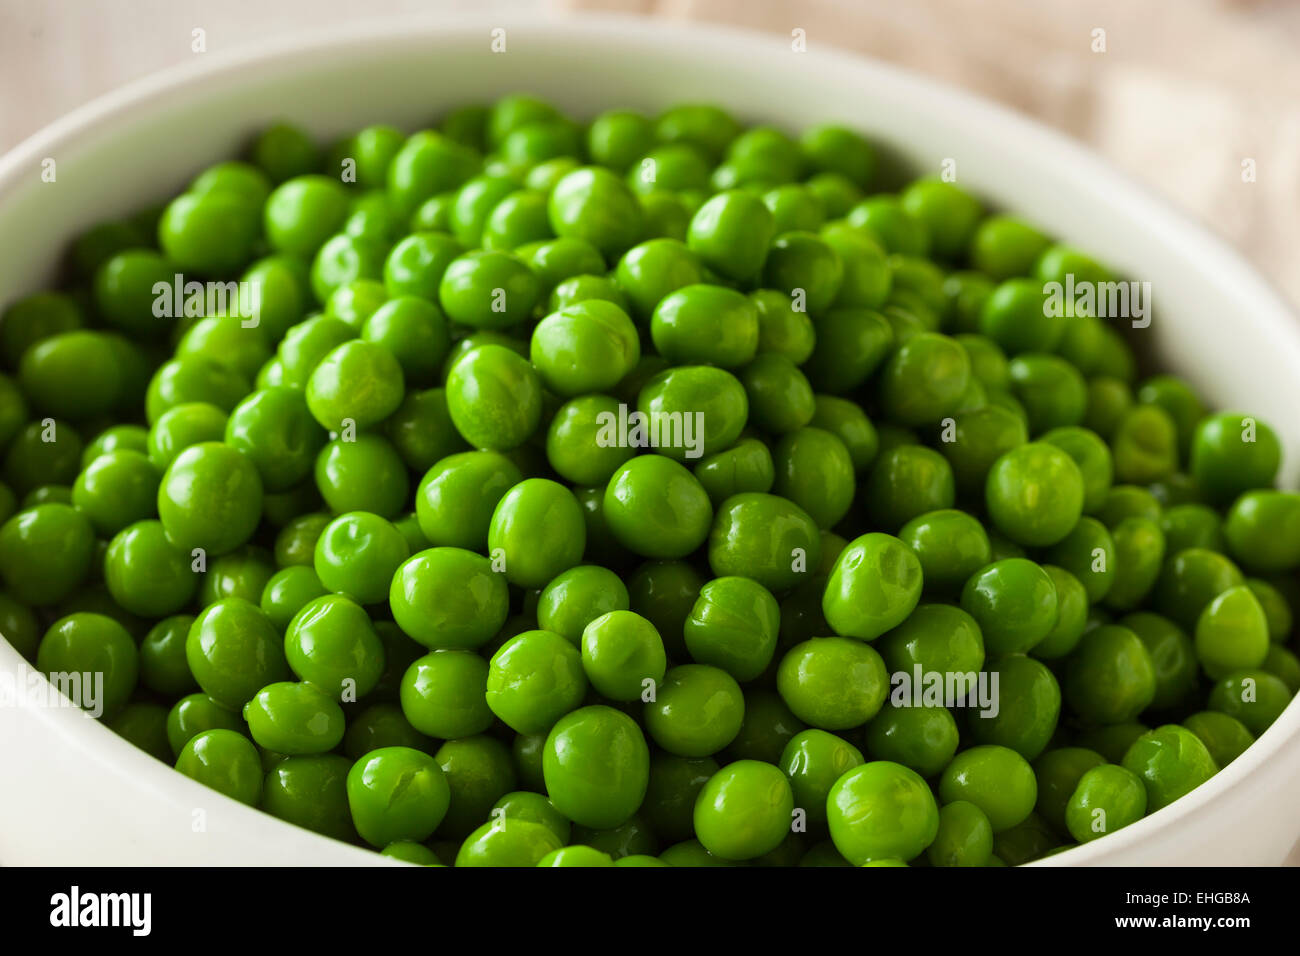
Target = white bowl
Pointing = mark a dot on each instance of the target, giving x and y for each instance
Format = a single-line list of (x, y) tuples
[(75, 793)]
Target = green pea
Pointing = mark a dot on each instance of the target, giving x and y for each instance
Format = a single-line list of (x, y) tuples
[(833, 683), (964, 838), (1170, 761), (674, 784), (881, 810), (449, 598), (294, 719), (995, 779), (1261, 530), (923, 738), (587, 347), (1233, 453), (1190, 580), (594, 204), (1058, 772), (495, 398), (92, 660), (979, 438), (744, 810), (1225, 737), (1254, 697), (1018, 317), (733, 626), (226, 761), (873, 586), (210, 498), (596, 766), (745, 467), (536, 532), (1014, 602), (697, 710), (623, 655), (935, 637), (535, 679), (1110, 677), (1035, 494), (664, 592)]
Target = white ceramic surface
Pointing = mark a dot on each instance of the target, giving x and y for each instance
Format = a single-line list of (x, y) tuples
[(72, 792)]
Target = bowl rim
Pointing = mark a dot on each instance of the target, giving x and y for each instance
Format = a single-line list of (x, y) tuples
[(154, 90)]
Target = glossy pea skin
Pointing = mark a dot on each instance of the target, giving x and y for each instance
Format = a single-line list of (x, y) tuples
[(146, 574), (905, 482), (294, 718), (980, 437), (1233, 453), (594, 204), (1107, 799), (357, 554), (873, 586), (449, 598), (533, 680), (951, 546), (310, 791), (443, 694), (226, 761), (802, 260), (964, 838), (1014, 602), (745, 467), (705, 324), (537, 531), (744, 810), (923, 738), (495, 398), (996, 779), (1029, 705), (1231, 633), (1262, 530), (210, 497), (1058, 772), (421, 430), (576, 597), (656, 508), (1170, 761), (456, 498), (46, 552), (1035, 494), (273, 428), (851, 344), (697, 711), (833, 683), (710, 404), (651, 271), (622, 655), (90, 645), (507, 843), (814, 760), (194, 714), (359, 381), (1254, 697), (733, 625), (586, 347), (397, 793), (234, 650), (596, 765), (935, 637), (881, 810), (1189, 580), (1016, 316), (479, 772), (331, 644), (1225, 737), (924, 379), (1139, 551), (1088, 553), (1110, 677), (731, 233)]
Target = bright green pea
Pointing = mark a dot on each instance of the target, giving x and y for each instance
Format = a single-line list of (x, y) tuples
[(45, 553), (1255, 697), (964, 838), (1035, 494), (416, 265), (1189, 581), (210, 498), (873, 587), (596, 765), (951, 546), (744, 810), (1232, 633), (594, 204), (364, 474), (1029, 704), (495, 398), (923, 738), (1233, 453), (274, 429), (226, 761), (508, 843), (925, 379), (1225, 737), (814, 470), (1014, 601), (294, 719), (449, 598), (731, 234), (1107, 799), (443, 694), (456, 498), (93, 661), (697, 711), (331, 644), (587, 347), (833, 683), (881, 810), (906, 482), (1262, 530), (535, 679), (656, 508), (1018, 318), (1170, 761), (489, 289), (623, 655), (996, 779), (537, 531)]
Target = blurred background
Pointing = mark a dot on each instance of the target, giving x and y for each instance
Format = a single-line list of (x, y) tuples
[(1180, 93)]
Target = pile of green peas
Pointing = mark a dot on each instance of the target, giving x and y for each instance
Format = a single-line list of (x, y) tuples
[(368, 560)]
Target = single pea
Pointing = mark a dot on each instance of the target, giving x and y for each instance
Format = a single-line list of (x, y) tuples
[(670, 794), (1145, 445), (210, 498), (745, 467), (893, 226), (923, 738), (226, 761), (495, 398), (979, 438), (536, 532), (408, 852), (881, 810), (906, 482), (744, 810), (1110, 678), (45, 452), (146, 574), (294, 719), (362, 474), (937, 638), (331, 644), (576, 597), (427, 164), (479, 772), (833, 683), (873, 586), (1018, 316), (697, 711), (310, 791), (558, 260), (535, 808), (851, 344), (813, 760), (964, 838), (1262, 528), (273, 428), (1014, 602), (242, 573), (233, 650), (1139, 549), (1005, 247), (534, 680), (656, 508), (508, 843), (1225, 737), (1088, 553), (1028, 708), (706, 324), (596, 765), (1233, 453), (82, 645), (867, 278), (1058, 772), (924, 379), (1255, 697), (378, 726), (951, 546), (489, 289), (443, 694), (357, 554), (733, 626), (623, 656), (397, 793), (1192, 526), (415, 266), (688, 411), (1170, 761), (1035, 494), (731, 234), (576, 856), (996, 779), (46, 553), (456, 497), (594, 204), (1231, 633), (1071, 616), (587, 347), (449, 598)]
